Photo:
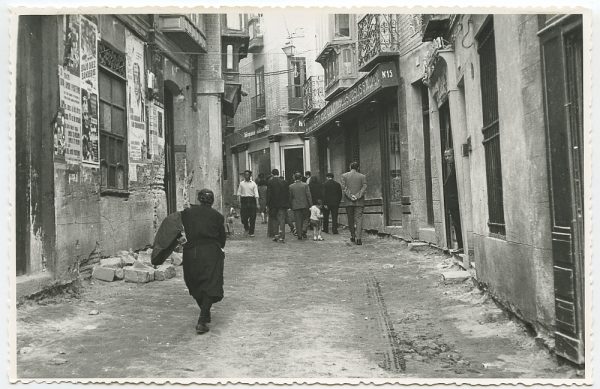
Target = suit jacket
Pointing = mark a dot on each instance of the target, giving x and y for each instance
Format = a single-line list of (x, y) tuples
[(300, 196), (354, 183), (278, 194), (332, 193), (316, 189)]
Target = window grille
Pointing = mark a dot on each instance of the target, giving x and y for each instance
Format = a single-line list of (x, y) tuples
[(491, 129)]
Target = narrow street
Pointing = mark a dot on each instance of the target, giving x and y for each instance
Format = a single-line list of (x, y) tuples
[(301, 309)]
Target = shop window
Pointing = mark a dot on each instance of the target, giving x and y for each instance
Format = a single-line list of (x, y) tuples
[(491, 129), (113, 131), (342, 26)]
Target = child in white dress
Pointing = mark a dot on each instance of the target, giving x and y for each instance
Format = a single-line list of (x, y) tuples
[(316, 218)]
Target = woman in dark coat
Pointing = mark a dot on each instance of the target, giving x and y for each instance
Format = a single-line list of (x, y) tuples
[(203, 255)]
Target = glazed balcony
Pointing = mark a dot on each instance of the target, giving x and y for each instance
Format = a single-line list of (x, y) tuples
[(314, 95), (185, 30), (378, 39), (258, 107), (339, 62), (256, 35), (295, 103)]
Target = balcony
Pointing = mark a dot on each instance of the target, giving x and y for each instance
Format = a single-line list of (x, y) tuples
[(314, 95), (184, 31), (295, 103), (340, 65), (378, 39), (258, 108), (256, 35)]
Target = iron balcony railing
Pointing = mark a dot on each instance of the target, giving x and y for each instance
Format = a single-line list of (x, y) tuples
[(258, 107), (377, 34), (314, 94)]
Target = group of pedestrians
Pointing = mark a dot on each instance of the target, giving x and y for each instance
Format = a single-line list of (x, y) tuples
[(302, 204)]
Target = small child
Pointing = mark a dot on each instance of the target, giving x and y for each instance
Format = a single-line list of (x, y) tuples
[(316, 218), (231, 214)]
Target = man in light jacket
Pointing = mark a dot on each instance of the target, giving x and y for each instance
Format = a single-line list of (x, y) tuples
[(354, 186), (300, 202)]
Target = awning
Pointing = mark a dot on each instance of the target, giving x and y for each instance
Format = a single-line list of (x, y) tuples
[(384, 75), (231, 98)]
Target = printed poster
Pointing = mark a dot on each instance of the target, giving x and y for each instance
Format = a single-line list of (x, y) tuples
[(138, 146), (89, 92), (67, 125), (71, 56), (156, 130)]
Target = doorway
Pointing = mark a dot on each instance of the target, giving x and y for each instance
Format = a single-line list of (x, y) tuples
[(293, 161), (451, 204), (562, 51), (170, 174)]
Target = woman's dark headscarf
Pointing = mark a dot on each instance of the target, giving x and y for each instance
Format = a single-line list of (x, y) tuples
[(206, 197)]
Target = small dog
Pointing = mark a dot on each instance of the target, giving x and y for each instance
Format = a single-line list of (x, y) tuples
[(231, 215)]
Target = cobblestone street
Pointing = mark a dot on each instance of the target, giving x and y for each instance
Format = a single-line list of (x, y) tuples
[(301, 309)]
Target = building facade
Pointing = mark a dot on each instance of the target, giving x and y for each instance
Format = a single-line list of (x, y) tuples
[(132, 106), (268, 130), (444, 112)]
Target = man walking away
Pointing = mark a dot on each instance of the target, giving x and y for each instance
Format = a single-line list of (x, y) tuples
[(248, 194), (332, 195), (300, 202), (354, 186), (277, 204)]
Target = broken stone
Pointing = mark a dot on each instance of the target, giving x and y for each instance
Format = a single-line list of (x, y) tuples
[(112, 262), (119, 274), (138, 274), (418, 246), (142, 265), (127, 258), (176, 259), (103, 273), (144, 256), (164, 272), (455, 276), (94, 312)]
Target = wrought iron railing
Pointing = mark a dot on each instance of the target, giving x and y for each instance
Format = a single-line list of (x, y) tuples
[(258, 107), (314, 93), (377, 33)]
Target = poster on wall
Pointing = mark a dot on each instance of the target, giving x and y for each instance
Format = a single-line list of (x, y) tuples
[(71, 53), (138, 146), (156, 130), (67, 125), (89, 92)]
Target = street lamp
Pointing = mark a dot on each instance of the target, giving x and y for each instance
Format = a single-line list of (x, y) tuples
[(289, 49)]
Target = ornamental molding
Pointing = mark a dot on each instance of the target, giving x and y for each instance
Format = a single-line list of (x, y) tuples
[(112, 59)]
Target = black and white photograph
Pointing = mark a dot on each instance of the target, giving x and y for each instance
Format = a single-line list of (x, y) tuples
[(300, 195)]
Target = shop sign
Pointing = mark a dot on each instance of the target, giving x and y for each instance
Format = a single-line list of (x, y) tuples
[(382, 76), (251, 132)]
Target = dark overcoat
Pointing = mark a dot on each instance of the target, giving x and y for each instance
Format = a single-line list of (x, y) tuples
[(203, 257)]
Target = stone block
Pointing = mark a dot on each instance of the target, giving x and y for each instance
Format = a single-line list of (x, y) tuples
[(142, 265), (164, 272), (119, 273), (138, 275), (418, 246), (144, 256), (457, 276), (127, 258), (114, 262), (176, 259), (103, 273)]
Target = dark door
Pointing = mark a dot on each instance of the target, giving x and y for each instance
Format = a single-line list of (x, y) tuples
[(451, 207), (170, 178), (562, 52), (294, 162)]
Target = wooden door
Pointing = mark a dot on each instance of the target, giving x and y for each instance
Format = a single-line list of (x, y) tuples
[(562, 54)]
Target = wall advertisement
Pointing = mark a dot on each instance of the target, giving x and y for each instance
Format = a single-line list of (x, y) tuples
[(156, 130), (75, 126), (138, 142)]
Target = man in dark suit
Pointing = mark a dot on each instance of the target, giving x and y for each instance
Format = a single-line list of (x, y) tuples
[(277, 205), (354, 186), (316, 189), (300, 202), (332, 195)]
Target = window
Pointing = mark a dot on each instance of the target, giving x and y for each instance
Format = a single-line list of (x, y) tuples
[(491, 129), (259, 76), (342, 26), (297, 76), (331, 70), (229, 57), (346, 61), (234, 21), (113, 131)]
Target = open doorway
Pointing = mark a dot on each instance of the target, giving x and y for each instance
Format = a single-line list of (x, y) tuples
[(170, 178), (293, 161), (451, 204)]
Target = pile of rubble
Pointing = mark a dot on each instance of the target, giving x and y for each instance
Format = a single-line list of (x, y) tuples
[(135, 267)]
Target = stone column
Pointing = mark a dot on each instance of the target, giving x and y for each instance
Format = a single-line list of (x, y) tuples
[(205, 139), (275, 150), (306, 153)]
